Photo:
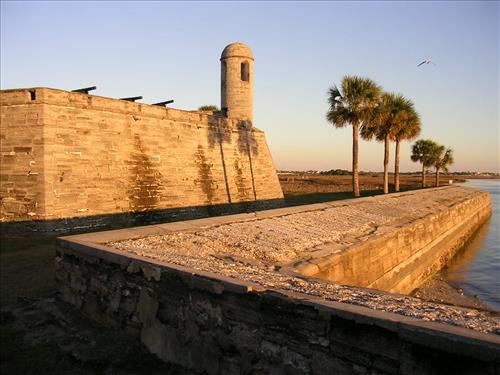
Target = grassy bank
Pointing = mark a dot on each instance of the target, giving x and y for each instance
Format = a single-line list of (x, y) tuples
[(302, 184), (26, 268)]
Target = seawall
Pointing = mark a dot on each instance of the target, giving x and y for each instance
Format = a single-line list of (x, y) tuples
[(219, 294), (76, 161), (400, 256)]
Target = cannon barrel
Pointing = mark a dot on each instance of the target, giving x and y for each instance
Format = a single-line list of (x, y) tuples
[(85, 90), (164, 104), (132, 98)]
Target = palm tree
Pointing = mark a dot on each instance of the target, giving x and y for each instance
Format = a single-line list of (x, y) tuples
[(408, 129), (389, 116), (423, 151), (441, 160), (353, 104)]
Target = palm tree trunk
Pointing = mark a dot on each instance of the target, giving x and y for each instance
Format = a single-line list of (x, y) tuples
[(355, 177), (396, 167), (423, 175), (386, 164), (437, 177)]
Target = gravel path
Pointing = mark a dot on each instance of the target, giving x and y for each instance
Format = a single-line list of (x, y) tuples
[(254, 250)]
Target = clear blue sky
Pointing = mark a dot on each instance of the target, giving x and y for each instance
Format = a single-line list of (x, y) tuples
[(165, 50)]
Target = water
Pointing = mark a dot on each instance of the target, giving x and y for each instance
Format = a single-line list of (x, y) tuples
[(476, 269)]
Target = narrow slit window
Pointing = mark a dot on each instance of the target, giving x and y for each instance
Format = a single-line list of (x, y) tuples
[(245, 72), (223, 75)]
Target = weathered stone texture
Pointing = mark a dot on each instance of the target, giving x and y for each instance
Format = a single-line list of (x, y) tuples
[(388, 242), (72, 155), (398, 258), (223, 326), (22, 153), (237, 81)]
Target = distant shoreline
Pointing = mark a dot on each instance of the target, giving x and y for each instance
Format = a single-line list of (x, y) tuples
[(391, 174), (307, 185)]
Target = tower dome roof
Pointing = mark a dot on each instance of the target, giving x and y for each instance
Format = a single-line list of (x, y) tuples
[(237, 50)]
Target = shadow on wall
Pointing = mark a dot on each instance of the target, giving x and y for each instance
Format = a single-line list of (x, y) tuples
[(205, 177), (247, 145), (244, 193), (129, 219), (219, 134), (145, 180)]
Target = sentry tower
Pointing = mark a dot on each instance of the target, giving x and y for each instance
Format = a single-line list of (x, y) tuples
[(237, 81)]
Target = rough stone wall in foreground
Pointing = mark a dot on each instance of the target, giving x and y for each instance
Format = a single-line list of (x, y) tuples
[(71, 155), (223, 326)]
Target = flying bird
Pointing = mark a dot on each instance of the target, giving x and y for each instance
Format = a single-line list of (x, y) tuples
[(426, 62)]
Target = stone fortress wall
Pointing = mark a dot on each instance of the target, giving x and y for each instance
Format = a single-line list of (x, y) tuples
[(400, 256), (72, 160), (227, 315), (219, 325)]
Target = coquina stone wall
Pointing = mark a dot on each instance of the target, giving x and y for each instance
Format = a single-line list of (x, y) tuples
[(225, 326), (74, 161), (398, 258)]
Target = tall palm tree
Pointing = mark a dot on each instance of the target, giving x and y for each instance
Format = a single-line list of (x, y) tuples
[(408, 129), (389, 116), (442, 159), (353, 104), (423, 151)]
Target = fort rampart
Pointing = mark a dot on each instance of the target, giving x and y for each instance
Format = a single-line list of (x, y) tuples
[(400, 256), (76, 161), (224, 314)]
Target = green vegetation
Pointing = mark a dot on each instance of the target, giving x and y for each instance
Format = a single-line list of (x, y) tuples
[(372, 113), (208, 108), (336, 172), (408, 129), (432, 154), (423, 152), (353, 104), (390, 116), (441, 160), (26, 267), (312, 198)]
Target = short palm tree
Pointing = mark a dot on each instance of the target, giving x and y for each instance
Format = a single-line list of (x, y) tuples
[(441, 160), (408, 129), (353, 104), (423, 151), (389, 117)]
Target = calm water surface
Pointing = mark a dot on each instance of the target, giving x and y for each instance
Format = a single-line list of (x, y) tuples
[(477, 268)]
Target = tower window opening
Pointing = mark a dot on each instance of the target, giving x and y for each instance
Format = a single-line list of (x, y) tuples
[(245, 73), (223, 75)]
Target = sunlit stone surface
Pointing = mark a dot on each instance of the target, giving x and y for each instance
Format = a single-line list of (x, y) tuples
[(278, 250)]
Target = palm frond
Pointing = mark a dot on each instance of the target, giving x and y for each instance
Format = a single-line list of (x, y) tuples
[(354, 102), (423, 151)]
